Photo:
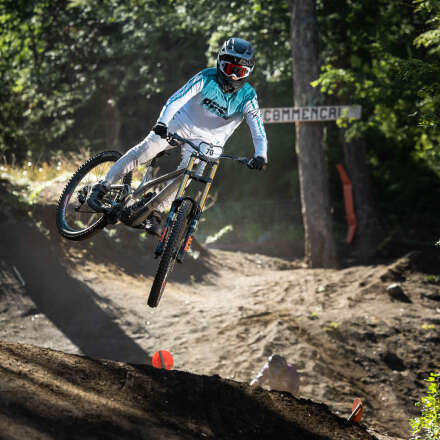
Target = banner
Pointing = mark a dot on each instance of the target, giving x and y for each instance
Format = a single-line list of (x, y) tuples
[(311, 114)]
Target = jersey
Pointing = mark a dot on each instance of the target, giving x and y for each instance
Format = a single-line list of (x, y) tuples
[(202, 108)]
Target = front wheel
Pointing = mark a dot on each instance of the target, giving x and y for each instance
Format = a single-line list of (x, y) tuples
[(174, 243), (75, 219)]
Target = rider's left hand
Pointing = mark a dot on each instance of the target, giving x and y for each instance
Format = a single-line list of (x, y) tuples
[(257, 163), (161, 129)]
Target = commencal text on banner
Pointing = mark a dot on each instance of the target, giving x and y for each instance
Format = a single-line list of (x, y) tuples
[(311, 114)]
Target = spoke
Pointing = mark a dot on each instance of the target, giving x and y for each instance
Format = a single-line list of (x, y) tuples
[(86, 212), (81, 217)]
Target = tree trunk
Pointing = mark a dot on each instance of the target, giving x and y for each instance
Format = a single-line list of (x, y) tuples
[(320, 248), (369, 231)]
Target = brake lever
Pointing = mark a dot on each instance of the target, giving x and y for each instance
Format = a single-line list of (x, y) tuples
[(172, 142)]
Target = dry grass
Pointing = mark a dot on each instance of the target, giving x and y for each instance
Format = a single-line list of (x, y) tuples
[(35, 171), (31, 177)]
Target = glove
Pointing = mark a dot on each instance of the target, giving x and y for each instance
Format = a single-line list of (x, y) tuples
[(256, 163), (161, 129)]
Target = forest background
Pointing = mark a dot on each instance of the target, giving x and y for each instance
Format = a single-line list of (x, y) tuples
[(94, 74)]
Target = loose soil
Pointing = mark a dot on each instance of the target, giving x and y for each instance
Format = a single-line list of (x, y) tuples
[(221, 316), (47, 394)]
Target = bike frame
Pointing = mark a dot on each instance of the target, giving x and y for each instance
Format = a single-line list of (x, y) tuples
[(146, 184), (198, 206), (187, 173)]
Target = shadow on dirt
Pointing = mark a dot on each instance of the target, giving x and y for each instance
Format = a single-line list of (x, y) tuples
[(127, 248), (53, 395), (68, 303)]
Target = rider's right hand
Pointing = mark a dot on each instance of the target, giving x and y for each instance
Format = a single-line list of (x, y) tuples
[(161, 129), (257, 163)]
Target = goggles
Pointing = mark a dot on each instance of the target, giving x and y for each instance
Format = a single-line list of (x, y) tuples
[(231, 69)]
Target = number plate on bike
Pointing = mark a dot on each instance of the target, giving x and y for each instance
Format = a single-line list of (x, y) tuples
[(210, 151)]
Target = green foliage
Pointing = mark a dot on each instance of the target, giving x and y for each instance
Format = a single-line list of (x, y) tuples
[(427, 427), (385, 69), (94, 74), (65, 61), (372, 56), (266, 24), (433, 279), (428, 70)]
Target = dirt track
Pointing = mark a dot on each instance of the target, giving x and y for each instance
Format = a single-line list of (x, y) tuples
[(47, 394), (225, 314)]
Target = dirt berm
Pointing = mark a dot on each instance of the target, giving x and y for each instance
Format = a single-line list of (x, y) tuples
[(47, 394)]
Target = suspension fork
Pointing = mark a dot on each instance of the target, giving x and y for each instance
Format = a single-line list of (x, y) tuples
[(176, 203), (197, 213), (208, 185)]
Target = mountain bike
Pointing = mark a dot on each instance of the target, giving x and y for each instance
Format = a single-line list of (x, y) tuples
[(132, 203)]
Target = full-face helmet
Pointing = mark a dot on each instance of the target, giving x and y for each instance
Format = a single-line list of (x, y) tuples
[(234, 64)]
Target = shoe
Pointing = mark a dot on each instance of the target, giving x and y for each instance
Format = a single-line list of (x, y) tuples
[(155, 224), (95, 195)]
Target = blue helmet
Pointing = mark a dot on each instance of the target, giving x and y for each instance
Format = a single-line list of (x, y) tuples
[(234, 64)]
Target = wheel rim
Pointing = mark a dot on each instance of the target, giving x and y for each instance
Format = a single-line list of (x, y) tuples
[(78, 216)]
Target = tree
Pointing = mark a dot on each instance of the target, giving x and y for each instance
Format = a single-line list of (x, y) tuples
[(80, 69), (320, 248), (428, 69), (369, 231), (340, 48), (384, 56)]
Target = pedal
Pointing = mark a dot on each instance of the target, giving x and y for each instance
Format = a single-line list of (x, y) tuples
[(112, 215)]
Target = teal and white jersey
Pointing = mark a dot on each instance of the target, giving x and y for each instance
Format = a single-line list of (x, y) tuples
[(202, 108)]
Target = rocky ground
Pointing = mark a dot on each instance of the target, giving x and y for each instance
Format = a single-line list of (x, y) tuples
[(362, 331)]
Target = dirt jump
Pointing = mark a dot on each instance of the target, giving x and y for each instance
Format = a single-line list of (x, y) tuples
[(363, 331), (48, 394)]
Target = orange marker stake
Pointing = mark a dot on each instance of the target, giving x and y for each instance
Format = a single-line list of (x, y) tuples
[(348, 202), (356, 411), (163, 359)]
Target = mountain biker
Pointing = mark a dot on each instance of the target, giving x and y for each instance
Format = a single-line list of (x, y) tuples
[(278, 375), (209, 107)]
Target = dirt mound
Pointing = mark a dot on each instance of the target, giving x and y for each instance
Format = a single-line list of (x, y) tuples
[(47, 394)]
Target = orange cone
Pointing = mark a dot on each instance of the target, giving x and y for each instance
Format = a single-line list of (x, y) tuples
[(163, 359)]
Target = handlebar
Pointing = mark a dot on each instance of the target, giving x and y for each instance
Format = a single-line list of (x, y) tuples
[(175, 137)]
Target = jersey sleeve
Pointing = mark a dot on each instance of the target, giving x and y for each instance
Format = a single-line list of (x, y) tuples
[(252, 113), (180, 98)]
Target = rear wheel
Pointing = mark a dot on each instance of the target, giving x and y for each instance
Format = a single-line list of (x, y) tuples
[(174, 243), (75, 219)]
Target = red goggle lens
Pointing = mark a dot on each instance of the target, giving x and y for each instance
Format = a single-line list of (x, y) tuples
[(235, 69)]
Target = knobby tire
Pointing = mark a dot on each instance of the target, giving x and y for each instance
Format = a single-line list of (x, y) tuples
[(63, 227), (166, 265)]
